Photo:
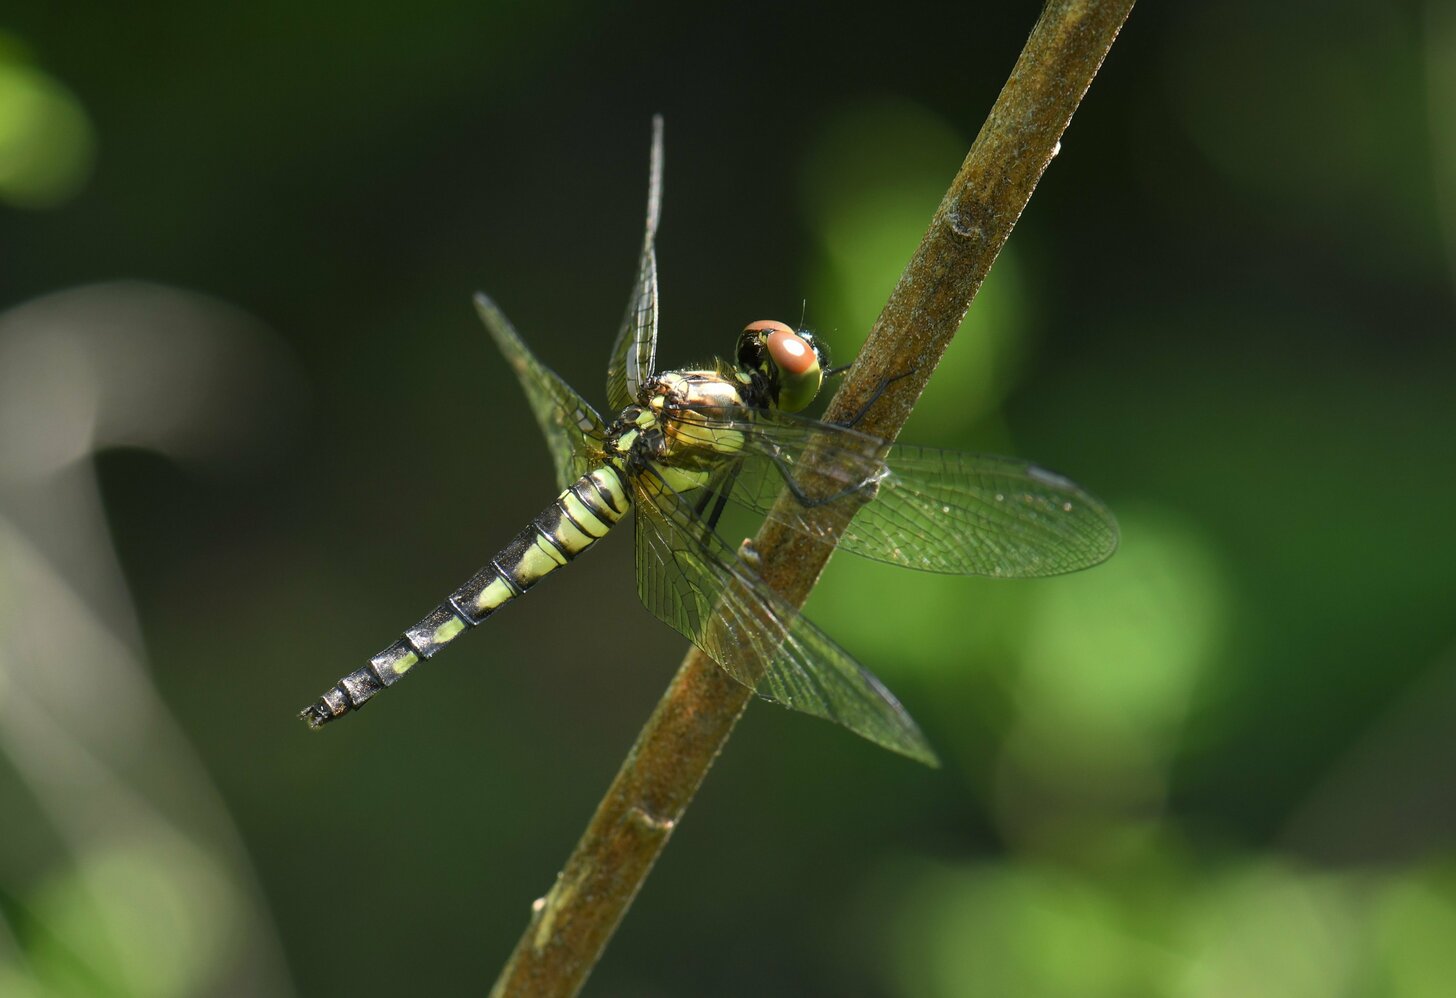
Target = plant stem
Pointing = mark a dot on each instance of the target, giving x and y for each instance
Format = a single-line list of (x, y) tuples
[(571, 925)]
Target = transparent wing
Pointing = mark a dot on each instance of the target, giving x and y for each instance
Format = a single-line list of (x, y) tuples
[(695, 583), (917, 507), (635, 351), (573, 430)]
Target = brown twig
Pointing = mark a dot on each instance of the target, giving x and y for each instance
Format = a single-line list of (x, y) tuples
[(571, 925)]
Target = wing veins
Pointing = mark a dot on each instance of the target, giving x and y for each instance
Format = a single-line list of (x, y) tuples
[(938, 511), (574, 432), (635, 350), (693, 581)]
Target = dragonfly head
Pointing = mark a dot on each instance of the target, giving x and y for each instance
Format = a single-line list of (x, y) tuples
[(788, 363)]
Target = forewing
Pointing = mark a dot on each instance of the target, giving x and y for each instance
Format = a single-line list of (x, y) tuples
[(573, 430), (917, 507), (634, 353), (699, 586)]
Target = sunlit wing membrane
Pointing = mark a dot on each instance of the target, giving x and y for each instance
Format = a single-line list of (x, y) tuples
[(699, 586), (917, 507), (635, 352), (573, 430)]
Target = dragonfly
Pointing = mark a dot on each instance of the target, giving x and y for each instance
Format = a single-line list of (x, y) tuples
[(683, 444)]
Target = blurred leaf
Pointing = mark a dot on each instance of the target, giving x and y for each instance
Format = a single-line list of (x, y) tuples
[(1414, 926), (1015, 930), (872, 178), (1120, 648), (46, 141), (1269, 930), (151, 919)]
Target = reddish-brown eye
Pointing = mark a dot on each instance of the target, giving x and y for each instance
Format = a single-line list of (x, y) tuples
[(789, 352)]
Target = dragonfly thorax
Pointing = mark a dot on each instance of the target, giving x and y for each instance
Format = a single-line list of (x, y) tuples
[(667, 433), (681, 389)]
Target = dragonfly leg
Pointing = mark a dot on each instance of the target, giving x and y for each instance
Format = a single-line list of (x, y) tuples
[(709, 491), (722, 491), (717, 488), (810, 502), (875, 396)]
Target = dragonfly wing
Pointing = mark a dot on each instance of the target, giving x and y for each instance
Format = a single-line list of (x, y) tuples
[(932, 510), (573, 430), (695, 583), (978, 514), (635, 351)]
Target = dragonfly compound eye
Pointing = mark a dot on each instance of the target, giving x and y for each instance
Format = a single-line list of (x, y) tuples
[(753, 345), (800, 372), (790, 353)]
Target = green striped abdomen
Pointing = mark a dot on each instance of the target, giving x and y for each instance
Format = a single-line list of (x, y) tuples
[(578, 518)]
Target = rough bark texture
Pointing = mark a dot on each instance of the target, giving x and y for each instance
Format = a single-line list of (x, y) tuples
[(570, 926)]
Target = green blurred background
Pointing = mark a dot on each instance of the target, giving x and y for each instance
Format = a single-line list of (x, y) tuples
[(250, 428)]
